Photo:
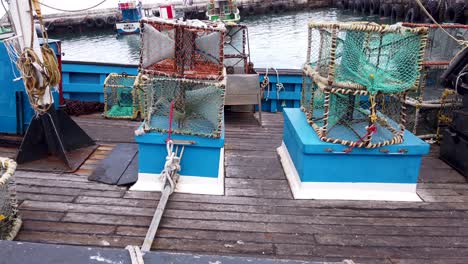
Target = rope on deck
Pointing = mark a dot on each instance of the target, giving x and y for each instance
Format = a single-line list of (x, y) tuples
[(135, 254)]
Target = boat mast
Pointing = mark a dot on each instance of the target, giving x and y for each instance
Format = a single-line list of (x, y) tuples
[(23, 23)]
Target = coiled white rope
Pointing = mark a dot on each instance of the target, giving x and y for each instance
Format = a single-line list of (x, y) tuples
[(172, 165), (279, 85)]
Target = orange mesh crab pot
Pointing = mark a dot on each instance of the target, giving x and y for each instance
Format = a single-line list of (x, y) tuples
[(189, 49)]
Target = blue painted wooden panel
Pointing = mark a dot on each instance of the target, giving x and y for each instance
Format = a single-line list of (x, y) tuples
[(85, 81), (315, 164), (275, 100), (201, 159)]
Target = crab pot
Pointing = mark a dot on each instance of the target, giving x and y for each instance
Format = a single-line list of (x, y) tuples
[(122, 97), (182, 49), (430, 106), (10, 222), (365, 56), (235, 49), (344, 116), (356, 80), (196, 120), (321, 170)]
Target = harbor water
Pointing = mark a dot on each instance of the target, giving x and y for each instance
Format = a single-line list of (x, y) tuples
[(277, 41)]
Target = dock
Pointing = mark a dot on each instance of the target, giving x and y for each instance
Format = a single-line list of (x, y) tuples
[(257, 216)]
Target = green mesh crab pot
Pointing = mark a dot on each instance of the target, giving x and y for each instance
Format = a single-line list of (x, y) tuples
[(10, 222), (356, 79), (123, 97), (197, 106)]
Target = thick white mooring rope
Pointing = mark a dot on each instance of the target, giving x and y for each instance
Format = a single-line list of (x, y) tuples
[(169, 176)]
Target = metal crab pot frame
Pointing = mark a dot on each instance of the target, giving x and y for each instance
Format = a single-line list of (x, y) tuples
[(198, 106), (182, 50), (10, 221), (429, 105), (351, 96), (342, 116), (236, 49), (123, 97), (328, 64)]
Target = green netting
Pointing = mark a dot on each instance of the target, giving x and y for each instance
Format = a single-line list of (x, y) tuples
[(356, 80), (376, 57), (345, 116), (122, 97), (198, 106)]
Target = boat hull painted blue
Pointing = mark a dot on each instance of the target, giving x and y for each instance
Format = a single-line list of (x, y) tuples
[(84, 81)]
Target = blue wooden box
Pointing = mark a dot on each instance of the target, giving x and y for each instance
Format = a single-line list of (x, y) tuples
[(202, 164), (320, 170)]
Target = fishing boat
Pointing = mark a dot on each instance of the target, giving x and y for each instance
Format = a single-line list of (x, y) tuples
[(131, 14), (223, 10), (234, 201)]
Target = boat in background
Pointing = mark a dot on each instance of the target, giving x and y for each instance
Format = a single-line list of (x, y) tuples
[(131, 15), (223, 10)]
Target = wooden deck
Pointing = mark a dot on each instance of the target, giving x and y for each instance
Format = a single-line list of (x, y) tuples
[(256, 217)]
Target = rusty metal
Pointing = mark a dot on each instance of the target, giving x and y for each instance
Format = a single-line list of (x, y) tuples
[(186, 64)]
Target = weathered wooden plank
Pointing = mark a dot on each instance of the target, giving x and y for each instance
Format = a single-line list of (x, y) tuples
[(47, 190), (232, 200), (254, 173), (256, 184), (444, 199), (253, 153), (439, 192), (450, 186), (263, 193), (87, 208), (78, 239), (72, 228), (41, 215), (248, 217), (388, 252), (433, 163), (215, 247), (111, 194), (415, 260), (228, 236), (45, 197), (49, 176), (261, 162), (365, 240), (438, 175), (66, 184), (89, 218), (279, 210), (67, 191)]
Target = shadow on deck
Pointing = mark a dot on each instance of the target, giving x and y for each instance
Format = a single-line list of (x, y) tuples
[(256, 217)]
